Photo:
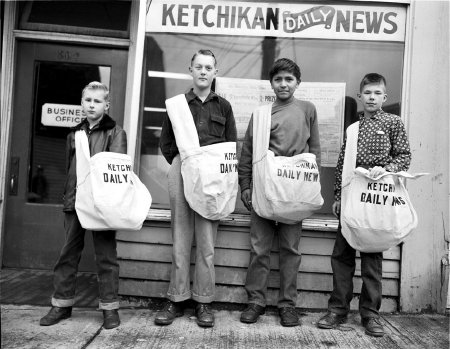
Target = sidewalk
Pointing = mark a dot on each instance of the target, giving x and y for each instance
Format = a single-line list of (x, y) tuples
[(20, 329)]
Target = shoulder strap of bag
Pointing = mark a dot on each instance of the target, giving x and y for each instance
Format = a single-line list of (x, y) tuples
[(261, 131), (350, 153), (82, 143), (83, 156), (183, 124)]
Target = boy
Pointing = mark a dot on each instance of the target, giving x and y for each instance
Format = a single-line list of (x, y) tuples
[(294, 130), (214, 121), (382, 146), (104, 135)]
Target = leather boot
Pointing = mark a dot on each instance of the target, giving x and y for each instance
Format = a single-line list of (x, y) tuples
[(55, 315), (170, 311), (288, 317), (373, 327), (110, 319), (252, 313), (204, 314), (331, 320)]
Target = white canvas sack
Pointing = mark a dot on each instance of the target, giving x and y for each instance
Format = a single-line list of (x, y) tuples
[(109, 195), (209, 173), (376, 213), (285, 189)]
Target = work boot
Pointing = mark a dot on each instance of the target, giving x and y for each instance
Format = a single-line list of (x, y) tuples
[(170, 311), (204, 314), (288, 316), (252, 313), (55, 315), (331, 320), (110, 319), (373, 326)]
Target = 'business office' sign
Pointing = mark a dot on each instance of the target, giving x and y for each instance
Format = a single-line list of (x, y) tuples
[(61, 115), (344, 22)]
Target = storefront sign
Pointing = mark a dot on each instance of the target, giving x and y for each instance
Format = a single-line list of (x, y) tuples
[(343, 22), (61, 115), (245, 95)]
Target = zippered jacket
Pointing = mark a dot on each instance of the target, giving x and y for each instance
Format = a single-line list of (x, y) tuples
[(105, 136)]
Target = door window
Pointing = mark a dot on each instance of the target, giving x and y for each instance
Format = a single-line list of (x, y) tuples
[(56, 108)]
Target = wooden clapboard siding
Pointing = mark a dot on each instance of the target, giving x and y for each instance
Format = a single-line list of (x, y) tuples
[(145, 259), (232, 294), (240, 258), (312, 242), (236, 276)]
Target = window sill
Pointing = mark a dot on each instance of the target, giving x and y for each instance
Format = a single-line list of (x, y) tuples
[(317, 222)]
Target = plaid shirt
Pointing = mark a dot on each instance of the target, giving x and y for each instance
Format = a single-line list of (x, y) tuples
[(382, 141)]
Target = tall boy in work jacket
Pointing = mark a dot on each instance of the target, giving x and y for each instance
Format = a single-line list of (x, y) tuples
[(214, 121)]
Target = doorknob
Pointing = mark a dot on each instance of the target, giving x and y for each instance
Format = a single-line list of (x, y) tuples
[(14, 176)]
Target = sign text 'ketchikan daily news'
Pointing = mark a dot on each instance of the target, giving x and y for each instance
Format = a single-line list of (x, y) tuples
[(344, 22)]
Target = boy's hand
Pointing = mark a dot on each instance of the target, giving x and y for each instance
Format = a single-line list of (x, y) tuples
[(336, 208), (246, 197), (376, 171)]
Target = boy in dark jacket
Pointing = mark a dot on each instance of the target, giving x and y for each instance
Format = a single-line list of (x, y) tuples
[(104, 135)]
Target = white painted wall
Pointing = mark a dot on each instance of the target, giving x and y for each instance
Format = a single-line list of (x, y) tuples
[(424, 280)]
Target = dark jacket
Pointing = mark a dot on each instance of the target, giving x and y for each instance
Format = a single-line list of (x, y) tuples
[(105, 136)]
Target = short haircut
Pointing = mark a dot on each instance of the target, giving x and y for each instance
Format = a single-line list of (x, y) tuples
[(205, 53), (371, 78), (95, 85), (285, 64)]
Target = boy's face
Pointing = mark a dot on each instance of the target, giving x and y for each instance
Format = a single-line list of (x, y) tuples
[(203, 71), (284, 85), (94, 105), (372, 97)]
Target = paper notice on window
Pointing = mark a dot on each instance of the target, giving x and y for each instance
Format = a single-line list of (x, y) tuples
[(328, 97)]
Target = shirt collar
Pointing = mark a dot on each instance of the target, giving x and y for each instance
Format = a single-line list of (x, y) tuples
[(191, 95), (377, 116)]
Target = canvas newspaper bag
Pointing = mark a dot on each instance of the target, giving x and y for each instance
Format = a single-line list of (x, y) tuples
[(209, 173), (376, 213), (109, 195), (285, 189)]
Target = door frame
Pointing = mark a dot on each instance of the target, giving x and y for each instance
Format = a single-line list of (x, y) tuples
[(10, 36)]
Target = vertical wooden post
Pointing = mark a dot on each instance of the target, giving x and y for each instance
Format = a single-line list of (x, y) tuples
[(423, 279), (6, 100)]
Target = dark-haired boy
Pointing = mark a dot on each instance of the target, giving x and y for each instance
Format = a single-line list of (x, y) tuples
[(382, 146), (294, 130)]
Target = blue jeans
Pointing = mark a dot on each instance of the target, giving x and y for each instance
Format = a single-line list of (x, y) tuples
[(65, 271), (262, 232), (343, 264), (188, 225)]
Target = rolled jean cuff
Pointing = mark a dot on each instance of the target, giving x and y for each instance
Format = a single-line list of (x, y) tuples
[(63, 303), (178, 297), (203, 299), (257, 302), (339, 312), (109, 306)]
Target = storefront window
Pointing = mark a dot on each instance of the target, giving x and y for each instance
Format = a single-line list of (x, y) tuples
[(168, 55)]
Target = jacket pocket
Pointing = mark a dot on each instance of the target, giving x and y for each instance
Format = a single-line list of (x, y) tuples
[(217, 126)]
